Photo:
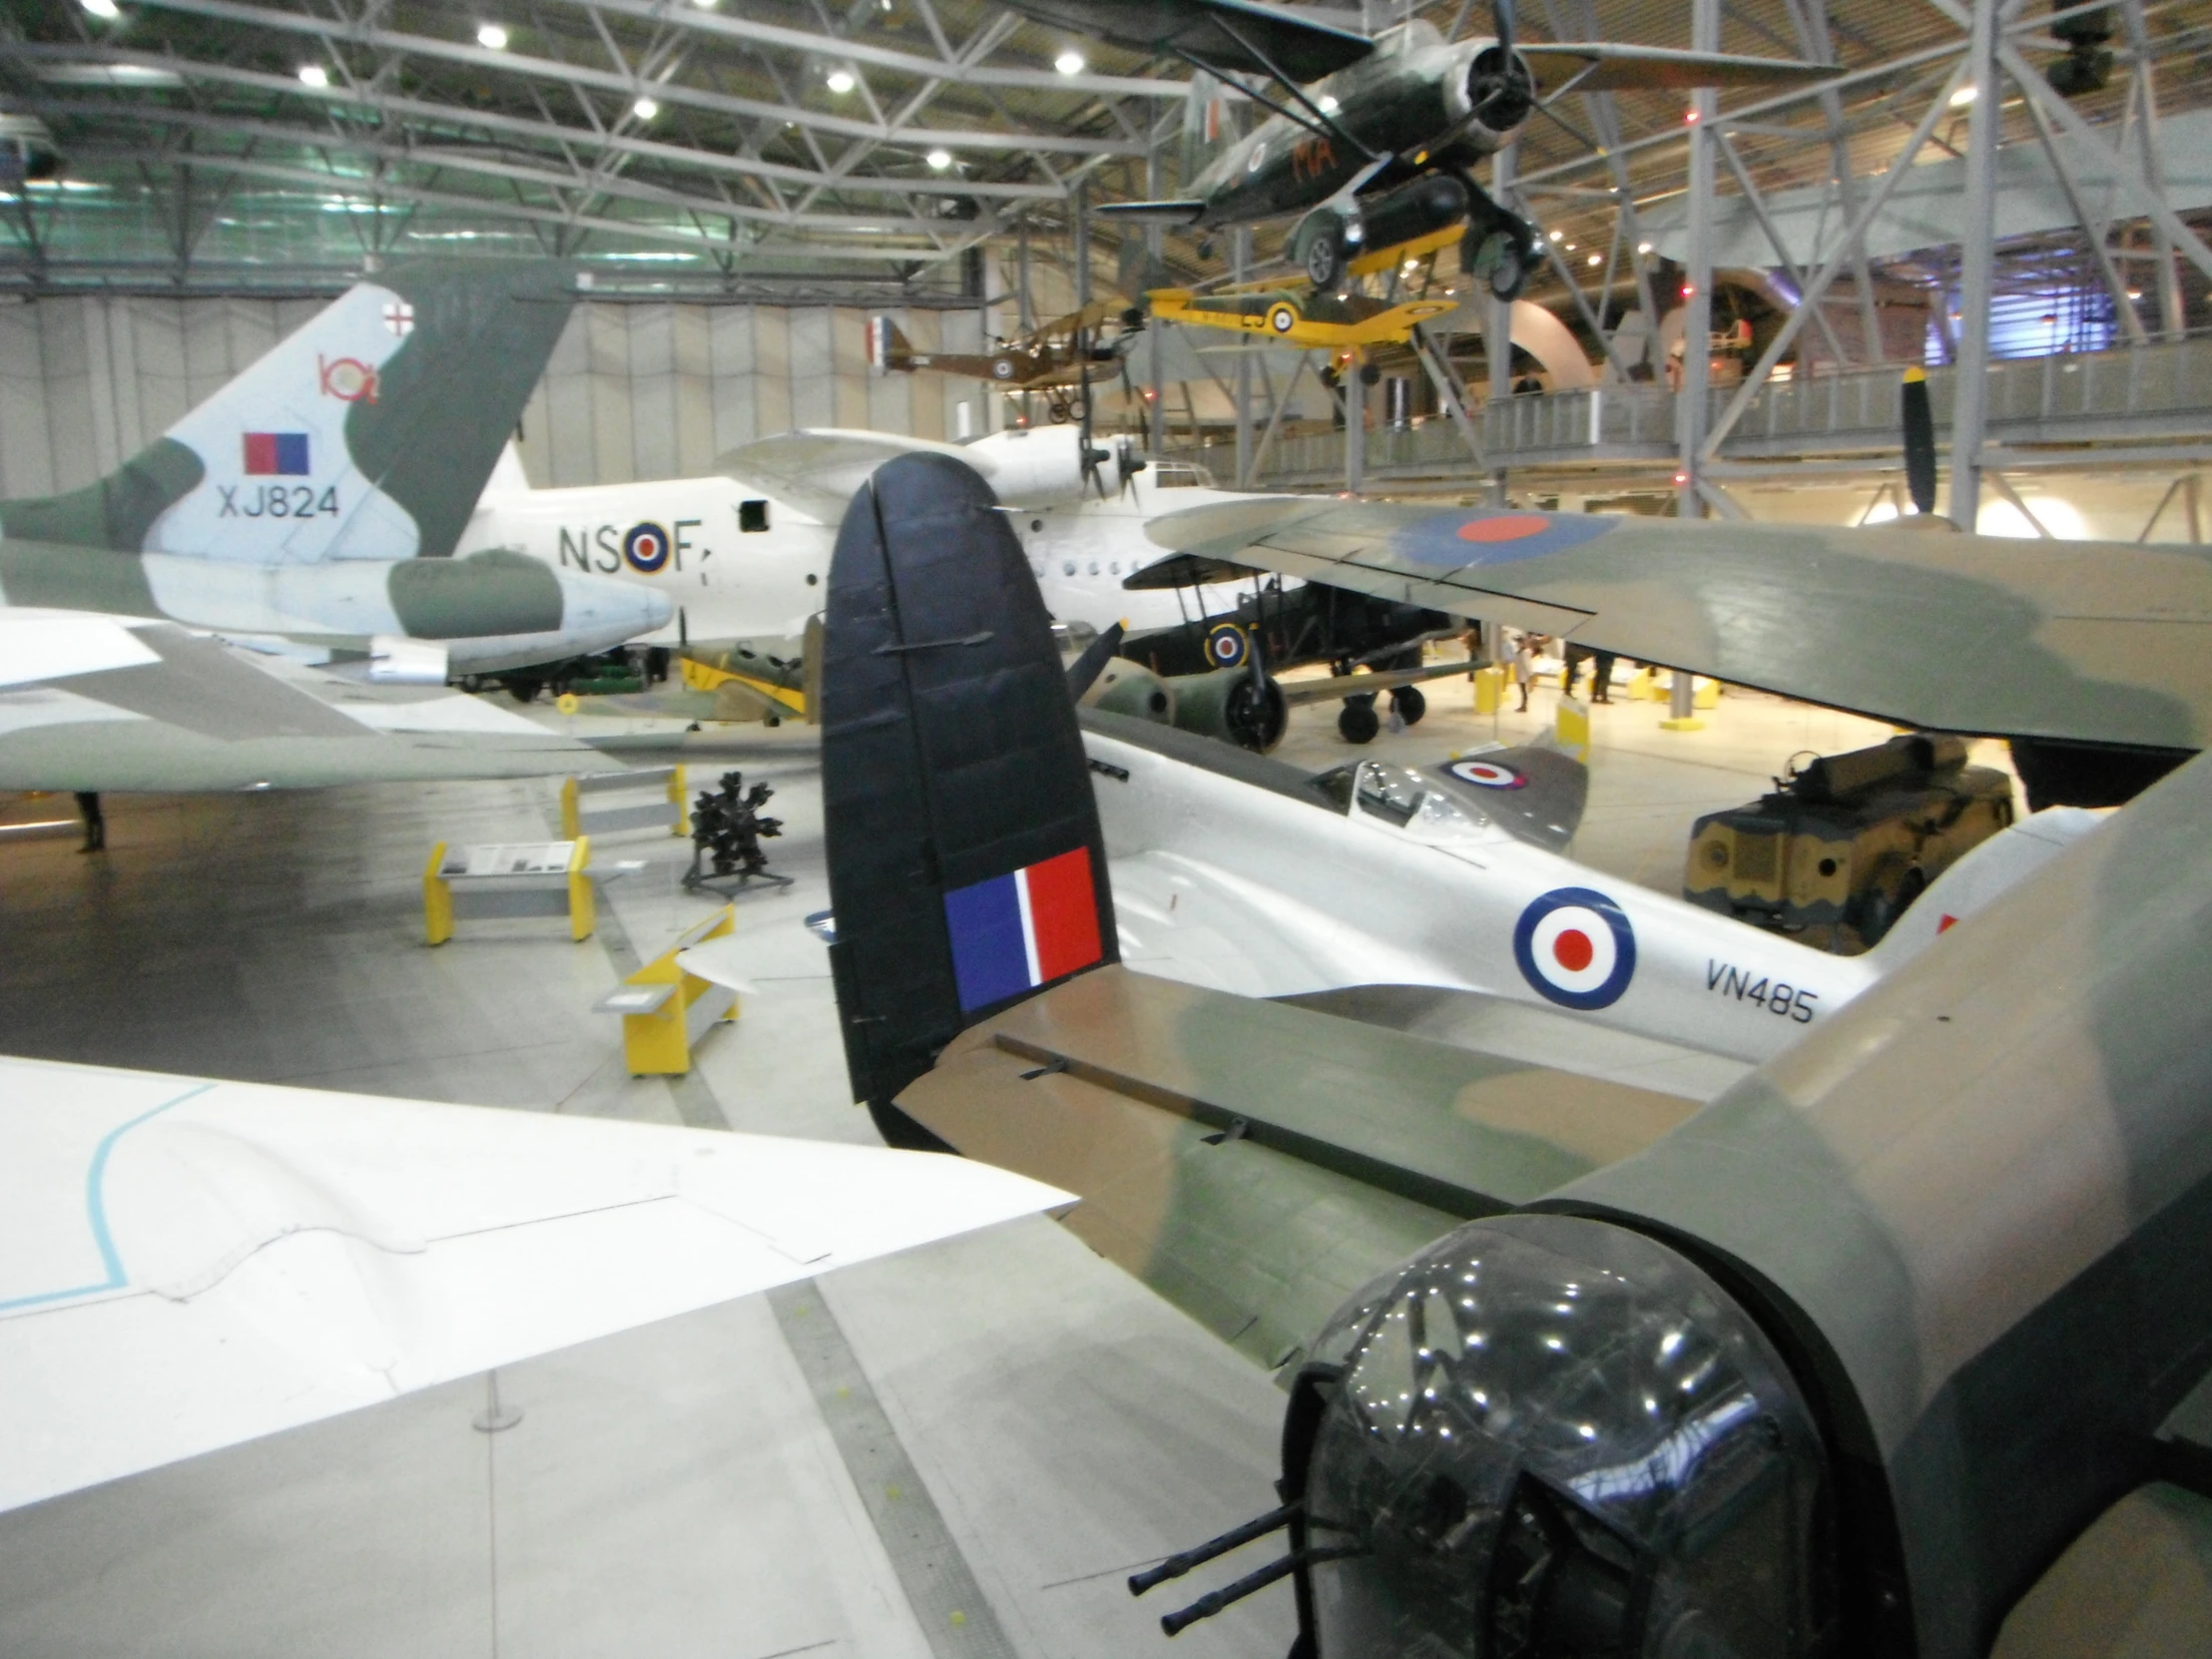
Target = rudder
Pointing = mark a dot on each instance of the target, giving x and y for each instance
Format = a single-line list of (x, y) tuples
[(967, 869)]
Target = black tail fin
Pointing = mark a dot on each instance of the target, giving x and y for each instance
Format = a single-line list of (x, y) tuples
[(966, 865)]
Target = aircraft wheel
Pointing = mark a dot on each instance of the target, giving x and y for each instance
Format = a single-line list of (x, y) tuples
[(1282, 318), (1060, 412), (1508, 272), (1324, 260), (1409, 704), (1358, 722), (523, 687)]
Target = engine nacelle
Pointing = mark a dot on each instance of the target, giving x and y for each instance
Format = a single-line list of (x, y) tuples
[(1230, 705), (1042, 466), (1495, 94)]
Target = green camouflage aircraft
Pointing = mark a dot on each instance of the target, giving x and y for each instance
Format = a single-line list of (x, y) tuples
[(2090, 656), (1898, 1346), (303, 516)]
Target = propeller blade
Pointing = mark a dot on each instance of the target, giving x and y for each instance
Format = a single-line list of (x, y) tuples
[(1092, 662), (1920, 442), (1502, 12)]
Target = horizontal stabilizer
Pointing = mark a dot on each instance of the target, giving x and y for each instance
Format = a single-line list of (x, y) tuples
[(1223, 1146), (1219, 34), (1611, 66), (186, 1265)]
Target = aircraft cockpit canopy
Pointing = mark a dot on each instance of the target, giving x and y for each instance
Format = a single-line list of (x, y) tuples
[(1402, 799)]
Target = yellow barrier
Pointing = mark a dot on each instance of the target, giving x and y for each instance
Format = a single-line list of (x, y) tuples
[(666, 1010), (1573, 727), (634, 815), (1489, 688), (538, 879)]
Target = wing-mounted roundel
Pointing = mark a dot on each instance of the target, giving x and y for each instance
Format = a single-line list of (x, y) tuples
[(1011, 933)]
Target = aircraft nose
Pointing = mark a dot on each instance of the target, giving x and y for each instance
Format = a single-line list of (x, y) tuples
[(605, 605)]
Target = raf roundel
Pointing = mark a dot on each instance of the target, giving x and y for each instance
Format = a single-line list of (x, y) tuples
[(1488, 775), (646, 547), (1575, 948), (1227, 645)]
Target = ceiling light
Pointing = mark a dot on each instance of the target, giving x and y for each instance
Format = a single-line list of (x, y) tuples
[(1558, 236), (1962, 96), (1570, 247), (1070, 62), (1327, 104), (313, 75), (1596, 258), (841, 81), (102, 9), (1643, 247), (491, 35), (940, 160), (645, 108), (2135, 294)]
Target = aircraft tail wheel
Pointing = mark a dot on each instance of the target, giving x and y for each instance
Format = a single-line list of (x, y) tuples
[(1358, 722), (1227, 645), (1409, 704)]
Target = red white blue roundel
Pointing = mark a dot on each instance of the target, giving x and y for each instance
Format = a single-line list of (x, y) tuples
[(1574, 945), (1227, 645), (646, 547), (1488, 775)]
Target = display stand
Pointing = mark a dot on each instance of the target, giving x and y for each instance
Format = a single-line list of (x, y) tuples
[(649, 798), (666, 1010), (531, 878), (731, 886)]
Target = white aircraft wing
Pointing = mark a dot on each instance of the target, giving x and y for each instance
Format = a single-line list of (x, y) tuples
[(186, 1265), (93, 702), (818, 470)]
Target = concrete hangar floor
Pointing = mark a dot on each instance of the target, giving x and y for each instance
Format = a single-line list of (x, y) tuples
[(959, 1452)]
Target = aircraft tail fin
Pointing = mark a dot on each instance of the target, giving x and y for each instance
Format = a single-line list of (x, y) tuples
[(890, 352), (1981, 878), (1213, 120), (967, 869), (367, 432)]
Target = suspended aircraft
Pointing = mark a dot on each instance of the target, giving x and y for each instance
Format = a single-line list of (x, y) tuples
[(1877, 1353), (1374, 143), (166, 622), (1058, 358)]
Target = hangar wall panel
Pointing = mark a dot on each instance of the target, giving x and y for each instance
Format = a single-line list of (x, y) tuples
[(631, 391)]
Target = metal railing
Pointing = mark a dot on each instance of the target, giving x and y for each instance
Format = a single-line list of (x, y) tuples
[(2158, 391)]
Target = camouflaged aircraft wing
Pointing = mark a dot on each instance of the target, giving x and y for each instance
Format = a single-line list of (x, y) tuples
[(2092, 642), (106, 703)]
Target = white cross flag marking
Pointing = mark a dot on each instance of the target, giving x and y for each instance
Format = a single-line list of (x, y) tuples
[(400, 317)]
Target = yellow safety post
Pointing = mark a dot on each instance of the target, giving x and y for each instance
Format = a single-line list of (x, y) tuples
[(682, 825), (1573, 727), (583, 903), (1489, 688), (572, 824), (1705, 694), (437, 899), (665, 1010)]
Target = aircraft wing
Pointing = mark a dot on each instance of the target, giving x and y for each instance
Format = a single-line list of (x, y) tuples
[(186, 1265), (1220, 34), (2099, 641), (91, 701), (1610, 66), (817, 470)]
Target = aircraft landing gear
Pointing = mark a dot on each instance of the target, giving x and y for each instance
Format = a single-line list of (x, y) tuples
[(1500, 246), (1409, 704), (1358, 722)]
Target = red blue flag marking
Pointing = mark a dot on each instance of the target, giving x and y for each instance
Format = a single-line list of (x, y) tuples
[(1015, 932), (276, 454)]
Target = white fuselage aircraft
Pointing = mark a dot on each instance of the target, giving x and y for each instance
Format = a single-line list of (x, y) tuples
[(743, 552), (1242, 874)]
